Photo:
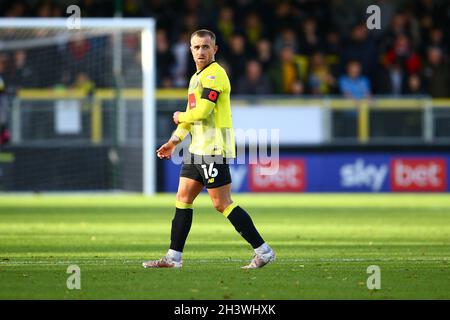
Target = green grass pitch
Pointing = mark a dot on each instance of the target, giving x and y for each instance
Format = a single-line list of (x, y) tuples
[(324, 244)]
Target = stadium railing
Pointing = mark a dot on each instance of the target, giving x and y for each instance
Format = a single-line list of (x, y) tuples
[(379, 120)]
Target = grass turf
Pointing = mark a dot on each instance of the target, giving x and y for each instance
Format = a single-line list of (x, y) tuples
[(324, 244)]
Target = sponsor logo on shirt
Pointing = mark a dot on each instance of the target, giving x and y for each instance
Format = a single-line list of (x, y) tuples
[(193, 84), (192, 101)]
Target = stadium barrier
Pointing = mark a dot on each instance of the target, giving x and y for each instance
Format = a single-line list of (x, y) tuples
[(105, 151), (377, 120)]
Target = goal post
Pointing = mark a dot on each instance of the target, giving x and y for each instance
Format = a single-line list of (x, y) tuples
[(124, 87)]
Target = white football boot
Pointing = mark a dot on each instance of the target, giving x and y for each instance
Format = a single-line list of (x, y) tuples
[(260, 260), (164, 262)]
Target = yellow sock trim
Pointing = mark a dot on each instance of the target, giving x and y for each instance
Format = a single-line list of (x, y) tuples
[(182, 205), (228, 210)]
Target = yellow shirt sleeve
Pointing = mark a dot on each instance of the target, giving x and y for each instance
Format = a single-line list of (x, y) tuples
[(202, 111), (213, 79), (182, 130)]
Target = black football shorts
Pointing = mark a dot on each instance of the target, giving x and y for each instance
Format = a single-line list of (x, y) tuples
[(212, 172)]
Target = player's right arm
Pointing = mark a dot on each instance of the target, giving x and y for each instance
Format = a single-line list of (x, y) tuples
[(165, 151), (182, 130)]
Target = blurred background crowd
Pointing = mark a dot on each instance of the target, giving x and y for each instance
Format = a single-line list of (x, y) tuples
[(293, 47)]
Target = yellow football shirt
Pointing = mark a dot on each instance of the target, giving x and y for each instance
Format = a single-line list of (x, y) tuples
[(208, 113)]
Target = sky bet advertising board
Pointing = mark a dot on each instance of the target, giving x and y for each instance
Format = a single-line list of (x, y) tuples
[(338, 172)]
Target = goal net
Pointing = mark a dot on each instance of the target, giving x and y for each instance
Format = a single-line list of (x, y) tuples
[(78, 105)]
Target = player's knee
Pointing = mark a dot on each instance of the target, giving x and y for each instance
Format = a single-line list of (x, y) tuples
[(221, 206), (184, 197)]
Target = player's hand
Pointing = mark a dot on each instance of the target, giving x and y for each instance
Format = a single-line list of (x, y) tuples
[(165, 151), (175, 117)]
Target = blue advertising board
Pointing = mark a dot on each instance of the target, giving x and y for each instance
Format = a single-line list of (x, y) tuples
[(339, 172)]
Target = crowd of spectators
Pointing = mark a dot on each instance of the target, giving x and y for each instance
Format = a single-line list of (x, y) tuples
[(293, 47)]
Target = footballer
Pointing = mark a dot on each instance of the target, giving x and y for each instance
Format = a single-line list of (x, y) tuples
[(208, 119)]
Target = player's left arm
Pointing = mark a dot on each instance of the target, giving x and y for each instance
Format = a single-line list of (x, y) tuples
[(210, 94)]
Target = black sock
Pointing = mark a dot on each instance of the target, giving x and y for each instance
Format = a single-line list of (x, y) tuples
[(244, 225), (181, 225)]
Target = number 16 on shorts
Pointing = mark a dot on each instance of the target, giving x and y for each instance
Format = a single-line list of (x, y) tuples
[(211, 172)]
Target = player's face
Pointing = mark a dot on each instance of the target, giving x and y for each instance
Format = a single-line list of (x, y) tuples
[(203, 50)]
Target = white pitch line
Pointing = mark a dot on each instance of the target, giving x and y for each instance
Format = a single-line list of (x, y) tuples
[(116, 262)]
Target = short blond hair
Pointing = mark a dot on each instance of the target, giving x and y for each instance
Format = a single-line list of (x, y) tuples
[(204, 33)]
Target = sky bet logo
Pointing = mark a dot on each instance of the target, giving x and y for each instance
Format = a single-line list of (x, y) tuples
[(291, 177), (429, 174), (360, 175)]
